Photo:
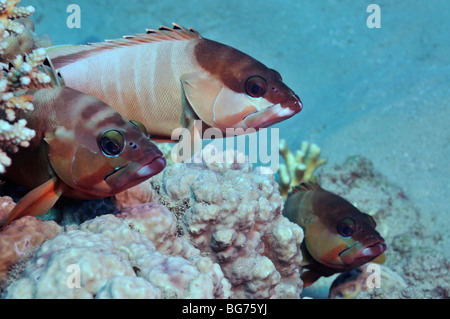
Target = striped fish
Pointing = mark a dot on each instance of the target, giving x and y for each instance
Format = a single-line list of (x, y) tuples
[(168, 78), (82, 149)]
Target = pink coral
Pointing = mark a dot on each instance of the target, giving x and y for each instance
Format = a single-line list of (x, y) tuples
[(133, 255), (22, 237), (6, 205), (232, 213)]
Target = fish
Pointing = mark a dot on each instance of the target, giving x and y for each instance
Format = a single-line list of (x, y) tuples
[(338, 236), (171, 77), (82, 149)]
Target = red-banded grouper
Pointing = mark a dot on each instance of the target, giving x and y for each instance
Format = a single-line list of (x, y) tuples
[(338, 236), (168, 78), (82, 149)]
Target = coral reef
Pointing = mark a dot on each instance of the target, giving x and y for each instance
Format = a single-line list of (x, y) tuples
[(299, 167), (8, 13), (6, 205), (19, 240), (220, 235), (136, 254), (23, 43), (166, 149), (232, 213), (21, 75), (17, 31)]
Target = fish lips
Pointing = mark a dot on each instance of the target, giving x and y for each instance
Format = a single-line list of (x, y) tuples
[(358, 254), (135, 173), (272, 115)]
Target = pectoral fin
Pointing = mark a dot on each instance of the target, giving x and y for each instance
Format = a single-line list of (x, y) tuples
[(201, 91), (37, 202)]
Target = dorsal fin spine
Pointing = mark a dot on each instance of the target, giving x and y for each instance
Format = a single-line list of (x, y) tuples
[(305, 186), (68, 54)]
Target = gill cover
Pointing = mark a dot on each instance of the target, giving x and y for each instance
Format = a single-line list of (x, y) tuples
[(217, 105)]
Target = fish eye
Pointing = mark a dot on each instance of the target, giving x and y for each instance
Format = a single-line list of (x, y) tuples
[(255, 86), (112, 142), (346, 227), (140, 126)]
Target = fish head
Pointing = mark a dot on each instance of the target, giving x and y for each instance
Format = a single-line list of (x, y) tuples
[(131, 156), (234, 90), (96, 151), (341, 236)]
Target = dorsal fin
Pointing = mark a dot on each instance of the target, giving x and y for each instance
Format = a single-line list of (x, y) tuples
[(66, 54), (305, 186), (48, 68)]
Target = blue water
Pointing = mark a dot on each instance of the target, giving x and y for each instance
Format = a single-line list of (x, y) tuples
[(378, 92)]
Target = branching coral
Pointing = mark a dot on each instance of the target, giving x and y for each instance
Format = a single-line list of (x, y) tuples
[(299, 167), (8, 13), (20, 76)]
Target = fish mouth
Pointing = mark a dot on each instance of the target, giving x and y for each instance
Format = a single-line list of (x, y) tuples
[(356, 255), (372, 251), (270, 115), (153, 167), (133, 173)]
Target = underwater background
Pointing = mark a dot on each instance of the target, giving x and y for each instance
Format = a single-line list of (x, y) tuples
[(380, 93)]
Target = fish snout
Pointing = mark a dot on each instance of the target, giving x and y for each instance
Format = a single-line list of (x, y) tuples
[(298, 105), (293, 104)]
